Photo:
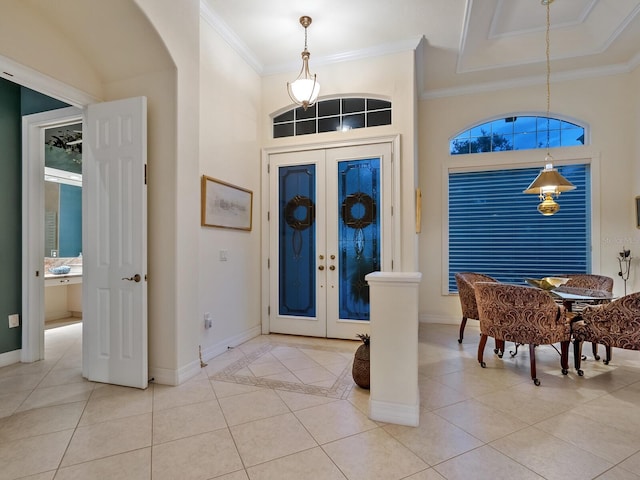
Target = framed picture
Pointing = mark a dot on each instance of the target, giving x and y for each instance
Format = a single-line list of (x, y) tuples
[(225, 205), (638, 212)]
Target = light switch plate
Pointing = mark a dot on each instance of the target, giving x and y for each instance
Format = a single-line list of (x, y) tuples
[(14, 320)]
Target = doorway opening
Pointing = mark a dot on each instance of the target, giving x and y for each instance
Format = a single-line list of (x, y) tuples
[(62, 225), (52, 224)]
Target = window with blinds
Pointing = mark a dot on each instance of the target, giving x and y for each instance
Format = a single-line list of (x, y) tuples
[(497, 230)]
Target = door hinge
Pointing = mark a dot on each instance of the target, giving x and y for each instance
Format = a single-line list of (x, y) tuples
[(268, 168), (268, 263), (391, 264), (268, 216), (392, 210), (145, 173), (269, 310)]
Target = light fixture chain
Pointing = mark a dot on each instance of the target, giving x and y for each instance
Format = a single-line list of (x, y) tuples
[(305, 38), (548, 49)]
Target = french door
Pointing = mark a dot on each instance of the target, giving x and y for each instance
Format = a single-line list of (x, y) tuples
[(330, 225)]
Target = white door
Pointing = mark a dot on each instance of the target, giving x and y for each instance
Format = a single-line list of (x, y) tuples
[(114, 242), (330, 225)]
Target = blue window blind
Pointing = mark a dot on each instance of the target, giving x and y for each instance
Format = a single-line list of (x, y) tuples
[(497, 230)]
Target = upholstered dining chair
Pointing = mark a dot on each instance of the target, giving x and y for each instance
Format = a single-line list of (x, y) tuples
[(467, 294), (589, 281), (524, 315), (614, 324)]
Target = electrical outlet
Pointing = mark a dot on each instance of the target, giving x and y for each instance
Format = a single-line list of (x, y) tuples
[(14, 320), (208, 323)]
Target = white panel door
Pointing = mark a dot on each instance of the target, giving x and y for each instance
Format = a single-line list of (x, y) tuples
[(114, 242), (298, 279), (330, 225)]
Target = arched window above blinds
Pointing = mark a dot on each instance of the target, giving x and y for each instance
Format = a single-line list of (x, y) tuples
[(521, 132), (332, 115)]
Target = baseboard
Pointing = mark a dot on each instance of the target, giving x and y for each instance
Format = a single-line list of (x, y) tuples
[(396, 413), (165, 376), (9, 358), (222, 346), (438, 318)]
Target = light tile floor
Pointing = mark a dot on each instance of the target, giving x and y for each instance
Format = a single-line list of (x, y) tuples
[(281, 407)]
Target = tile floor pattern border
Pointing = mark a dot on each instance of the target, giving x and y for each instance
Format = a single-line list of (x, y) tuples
[(340, 388)]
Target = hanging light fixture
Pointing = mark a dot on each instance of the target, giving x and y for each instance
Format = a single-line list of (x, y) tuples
[(549, 183), (304, 90)]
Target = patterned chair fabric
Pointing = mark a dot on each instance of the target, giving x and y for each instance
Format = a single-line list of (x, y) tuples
[(467, 294), (589, 281), (523, 315), (588, 284), (615, 324)]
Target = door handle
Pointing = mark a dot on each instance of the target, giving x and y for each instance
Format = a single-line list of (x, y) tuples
[(136, 278)]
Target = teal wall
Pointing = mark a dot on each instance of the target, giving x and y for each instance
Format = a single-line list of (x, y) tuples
[(70, 223), (15, 101), (10, 214)]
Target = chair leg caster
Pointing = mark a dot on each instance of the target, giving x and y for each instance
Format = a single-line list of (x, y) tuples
[(583, 357), (536, 382), (597, 357), (565, 371), (459, 340), (580, 373), (500, 354), (606, 362), (495, 350), (483, 365)]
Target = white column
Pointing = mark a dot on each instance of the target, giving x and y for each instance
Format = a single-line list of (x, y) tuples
[(394, 395)]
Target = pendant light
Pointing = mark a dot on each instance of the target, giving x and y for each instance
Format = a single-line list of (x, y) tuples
[(304, 90), (549, 183)]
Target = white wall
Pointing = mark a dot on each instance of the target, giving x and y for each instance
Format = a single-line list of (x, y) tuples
[(229, 151), (608, 104), (173, 147), (173, 302)]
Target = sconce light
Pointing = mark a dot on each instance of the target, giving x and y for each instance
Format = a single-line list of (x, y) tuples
[(549, 183), (304, 90)]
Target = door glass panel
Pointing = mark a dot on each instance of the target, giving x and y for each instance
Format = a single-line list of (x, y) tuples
[(358, 233), (297, 249)]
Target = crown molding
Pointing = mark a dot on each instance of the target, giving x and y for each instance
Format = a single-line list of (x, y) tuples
[(532, 80), (228, 35), (378, 51)]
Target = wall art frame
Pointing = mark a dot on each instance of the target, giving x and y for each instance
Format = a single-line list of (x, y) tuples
[(224, 205)]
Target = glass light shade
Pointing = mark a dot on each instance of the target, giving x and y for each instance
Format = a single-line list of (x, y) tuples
[(548, 206), (304, 91)]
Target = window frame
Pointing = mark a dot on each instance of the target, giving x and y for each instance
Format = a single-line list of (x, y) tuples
[(522, 159)]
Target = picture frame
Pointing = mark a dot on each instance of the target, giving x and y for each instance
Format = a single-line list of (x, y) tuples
[(224, 205), (638, 211)]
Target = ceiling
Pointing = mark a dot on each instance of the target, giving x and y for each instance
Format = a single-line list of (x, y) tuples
[(468, 45)]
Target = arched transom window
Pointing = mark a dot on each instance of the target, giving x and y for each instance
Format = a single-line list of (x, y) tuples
[(517, 133)]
